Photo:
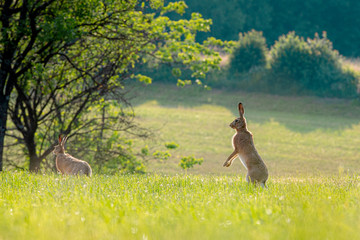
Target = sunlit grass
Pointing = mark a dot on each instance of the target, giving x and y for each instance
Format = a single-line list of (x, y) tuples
[(177, 207)]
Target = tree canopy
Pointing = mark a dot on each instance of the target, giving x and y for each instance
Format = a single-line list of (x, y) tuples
[(60, 58)]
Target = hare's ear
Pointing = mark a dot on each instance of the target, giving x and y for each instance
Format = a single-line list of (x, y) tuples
[(60, 138), (64, 140), (241, 109)]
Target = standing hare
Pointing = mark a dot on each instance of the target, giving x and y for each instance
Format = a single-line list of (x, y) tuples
[(244, 148), (67, 164)]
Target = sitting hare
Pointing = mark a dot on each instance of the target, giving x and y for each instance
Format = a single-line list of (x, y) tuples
[(67, 164), (244, 148)]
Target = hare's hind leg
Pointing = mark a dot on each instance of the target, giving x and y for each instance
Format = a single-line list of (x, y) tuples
[(250, 180), (230, 159)]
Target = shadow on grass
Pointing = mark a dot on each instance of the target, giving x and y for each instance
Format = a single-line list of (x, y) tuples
[(299, 114)]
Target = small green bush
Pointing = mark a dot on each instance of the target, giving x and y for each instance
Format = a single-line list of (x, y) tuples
[(165, 73), (250, 52), (311, 67), (189, 162), (290, 56)]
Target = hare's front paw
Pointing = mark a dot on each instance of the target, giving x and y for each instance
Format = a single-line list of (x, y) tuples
[(227, 164)]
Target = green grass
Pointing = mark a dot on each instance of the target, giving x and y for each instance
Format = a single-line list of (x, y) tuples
[(294, 135), (311, 147), (177, 207)]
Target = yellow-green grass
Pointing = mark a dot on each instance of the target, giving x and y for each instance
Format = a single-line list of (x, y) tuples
[(311, 146), (294, 135), (177, 207)]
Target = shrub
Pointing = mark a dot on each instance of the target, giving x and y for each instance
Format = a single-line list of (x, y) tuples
[(311, 66), (189, 162), (290, 56), (250, 52), (165, 73)]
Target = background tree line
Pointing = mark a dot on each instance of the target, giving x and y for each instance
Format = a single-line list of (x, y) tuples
[(339, 18), (282, 47), (293, 65)]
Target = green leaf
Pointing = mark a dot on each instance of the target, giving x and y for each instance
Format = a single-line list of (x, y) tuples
[(171, 145), (143, 78), (176, 72)]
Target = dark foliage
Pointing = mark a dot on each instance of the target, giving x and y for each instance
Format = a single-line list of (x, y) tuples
[(340, 19), (250, 52), (311, 66)]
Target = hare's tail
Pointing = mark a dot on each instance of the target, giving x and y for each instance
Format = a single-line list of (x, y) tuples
[(88, 171)]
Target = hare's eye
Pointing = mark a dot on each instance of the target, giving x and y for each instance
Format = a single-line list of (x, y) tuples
[(236, 120)]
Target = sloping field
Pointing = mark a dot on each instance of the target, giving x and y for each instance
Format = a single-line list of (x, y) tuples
[(294, 135)]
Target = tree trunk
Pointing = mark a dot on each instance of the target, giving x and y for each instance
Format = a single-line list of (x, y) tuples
[(35, 160), (34, 163), (7, 80), (4, 103)]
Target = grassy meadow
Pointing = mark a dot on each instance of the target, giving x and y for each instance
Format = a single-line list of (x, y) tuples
[(177, 207), (311, 147), (294, 135)]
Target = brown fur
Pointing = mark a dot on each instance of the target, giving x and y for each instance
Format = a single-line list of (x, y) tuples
[(67, 164), (244, 148)]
